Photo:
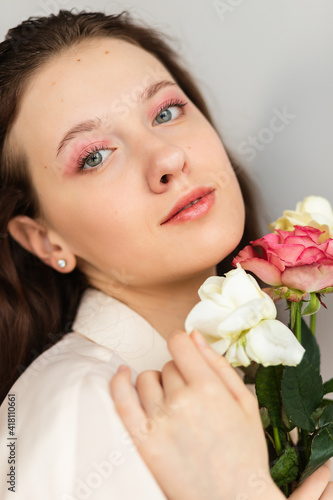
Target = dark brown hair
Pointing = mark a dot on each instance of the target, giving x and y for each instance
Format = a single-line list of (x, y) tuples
[(38, 304)]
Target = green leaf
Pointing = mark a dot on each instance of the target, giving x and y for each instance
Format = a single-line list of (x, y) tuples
[(326, 417), (264, 417), (321, 450), (285, 469), (310, 345), (302, 393), (328, 386), (288, 423), (318, 412), (313, 304), (326, 290), (268, 382)]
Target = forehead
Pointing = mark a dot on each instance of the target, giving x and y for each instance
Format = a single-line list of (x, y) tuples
[(112, 56), (88, 77)]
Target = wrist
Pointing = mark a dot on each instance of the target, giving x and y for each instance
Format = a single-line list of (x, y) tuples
[(261, 487), (271, 491)]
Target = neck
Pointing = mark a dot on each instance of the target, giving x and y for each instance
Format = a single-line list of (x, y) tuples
[(166, 306)]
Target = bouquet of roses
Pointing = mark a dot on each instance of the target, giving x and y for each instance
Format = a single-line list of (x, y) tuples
[(238, 319)]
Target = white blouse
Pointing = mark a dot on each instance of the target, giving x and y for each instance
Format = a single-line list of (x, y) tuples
[(60, 435)]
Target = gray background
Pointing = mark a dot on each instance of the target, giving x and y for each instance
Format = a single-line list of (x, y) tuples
[(253, 59)]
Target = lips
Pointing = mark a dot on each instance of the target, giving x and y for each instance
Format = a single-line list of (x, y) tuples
[(187, 201)]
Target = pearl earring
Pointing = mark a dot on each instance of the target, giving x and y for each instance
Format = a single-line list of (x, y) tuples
[(62, 263)]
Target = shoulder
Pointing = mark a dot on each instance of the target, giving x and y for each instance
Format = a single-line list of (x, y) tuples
[(69, 440), (63, 378)]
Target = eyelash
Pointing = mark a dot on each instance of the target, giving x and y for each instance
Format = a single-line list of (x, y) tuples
[(83, 158), (169, 104), (97, 148)]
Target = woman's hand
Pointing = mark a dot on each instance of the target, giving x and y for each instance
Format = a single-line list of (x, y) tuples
[(316, 486), (197, 426), (198, 429)]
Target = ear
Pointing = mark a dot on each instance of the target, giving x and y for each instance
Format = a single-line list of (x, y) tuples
[(40, 241)]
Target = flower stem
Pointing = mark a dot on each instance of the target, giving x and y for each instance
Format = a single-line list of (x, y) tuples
[(313, 318), (298, 324), (277, 441), (293, 311)]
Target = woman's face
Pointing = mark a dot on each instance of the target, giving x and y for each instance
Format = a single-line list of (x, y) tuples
[(115, 148)]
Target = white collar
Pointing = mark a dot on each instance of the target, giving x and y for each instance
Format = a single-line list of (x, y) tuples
[(111, 324)]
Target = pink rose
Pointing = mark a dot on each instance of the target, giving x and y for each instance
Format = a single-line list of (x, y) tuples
[(294, 259)]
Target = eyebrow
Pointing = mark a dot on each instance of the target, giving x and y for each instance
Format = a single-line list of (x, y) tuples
[(150, 91), (89, 125)]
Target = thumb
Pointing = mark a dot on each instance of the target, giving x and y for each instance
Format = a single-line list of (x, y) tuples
[(313, 486)]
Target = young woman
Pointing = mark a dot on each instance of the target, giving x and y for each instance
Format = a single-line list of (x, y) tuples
[(117, 200)]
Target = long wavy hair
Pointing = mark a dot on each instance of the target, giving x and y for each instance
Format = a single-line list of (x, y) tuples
[(38, 304)]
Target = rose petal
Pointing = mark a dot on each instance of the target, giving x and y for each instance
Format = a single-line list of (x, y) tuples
[(240, 288), (206, 317), (318, 207), (289, 220), (329, 247), (247, 316), (265, 271), (286, 253), (275, 261), (308, 233), (236, 354), (268, 241), (271, 343), (211, 289), (309, 278), (310, 256), (211, 286), (220, 346), (304, 241), (247, 253)]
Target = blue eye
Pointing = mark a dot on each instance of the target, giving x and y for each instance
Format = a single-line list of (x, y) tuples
[(166, 115), (169, 111), (93, 159)]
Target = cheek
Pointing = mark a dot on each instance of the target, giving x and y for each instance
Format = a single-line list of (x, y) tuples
[(233, 210), (213, 157), (205, 137), (98, 224)]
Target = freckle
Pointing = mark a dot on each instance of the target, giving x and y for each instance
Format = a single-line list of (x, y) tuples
[(45, 166), (107, 52), (79, 60)]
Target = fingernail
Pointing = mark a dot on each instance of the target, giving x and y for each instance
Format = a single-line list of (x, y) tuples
[(199, 339), (122, 368)]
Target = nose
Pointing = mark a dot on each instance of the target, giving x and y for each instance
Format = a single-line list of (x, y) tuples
[(166, 162)]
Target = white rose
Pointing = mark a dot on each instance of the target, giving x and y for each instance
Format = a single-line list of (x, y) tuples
[(238, 319), (313, 211)]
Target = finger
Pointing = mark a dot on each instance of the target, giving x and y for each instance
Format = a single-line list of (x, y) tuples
[(222, 368), (188, 359), (150, 391), (126, 401), (172, 379), (328, 493), (314, 486)]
